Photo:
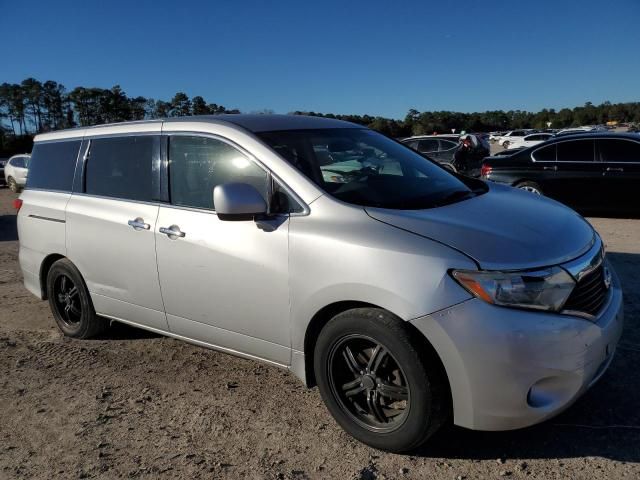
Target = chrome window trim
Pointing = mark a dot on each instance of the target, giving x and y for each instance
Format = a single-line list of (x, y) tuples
[(305, 208), (116, 199), (565, 141)]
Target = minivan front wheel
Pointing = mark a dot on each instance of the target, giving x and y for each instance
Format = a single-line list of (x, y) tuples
[(377, 382), (70, 302)]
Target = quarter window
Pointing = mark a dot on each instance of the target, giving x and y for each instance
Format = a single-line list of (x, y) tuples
[(447, 145), (545, 154), (619, 151), (120, 167), (52, 165), (575, 151), (429, 145), (198, 164)]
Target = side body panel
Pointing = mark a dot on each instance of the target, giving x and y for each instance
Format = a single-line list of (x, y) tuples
[(226, 282), (339, 253), (117, 261), (41, 229)]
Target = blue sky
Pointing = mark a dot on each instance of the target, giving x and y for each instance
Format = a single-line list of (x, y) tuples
[(376, 57)]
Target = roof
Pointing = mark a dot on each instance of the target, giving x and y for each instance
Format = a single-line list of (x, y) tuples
[(266, 123), (251, 122), (599, 134)]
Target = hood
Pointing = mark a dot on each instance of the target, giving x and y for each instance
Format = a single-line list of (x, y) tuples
[(503, 229)]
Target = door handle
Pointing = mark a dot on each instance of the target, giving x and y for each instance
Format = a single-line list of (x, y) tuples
[(172, 232), (138, 224), (611, 169), (554, 168)]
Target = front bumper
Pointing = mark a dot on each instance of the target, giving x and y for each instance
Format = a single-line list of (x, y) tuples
[(511, 368)]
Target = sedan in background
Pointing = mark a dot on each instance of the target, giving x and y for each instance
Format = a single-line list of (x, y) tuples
[(529, 140), (589, 171), (15, 172), (509, 137)]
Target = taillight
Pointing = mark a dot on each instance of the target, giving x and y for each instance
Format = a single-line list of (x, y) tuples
[(485, 171), (17, 204)]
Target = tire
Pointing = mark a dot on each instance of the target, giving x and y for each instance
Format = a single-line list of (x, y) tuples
[(530, 187), (13, 186), (391, 393), (506, 144), (70, 302)]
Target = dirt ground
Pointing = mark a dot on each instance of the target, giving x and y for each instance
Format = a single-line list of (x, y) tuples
[(136, 405)]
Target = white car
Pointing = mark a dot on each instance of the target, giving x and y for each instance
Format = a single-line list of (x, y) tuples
[(512, 135), (15, 172), (529, 140)]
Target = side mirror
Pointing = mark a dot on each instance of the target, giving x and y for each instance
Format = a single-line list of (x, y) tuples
[(238, 201)]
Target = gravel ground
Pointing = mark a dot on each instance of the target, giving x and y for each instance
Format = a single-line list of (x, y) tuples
[(136, 405)]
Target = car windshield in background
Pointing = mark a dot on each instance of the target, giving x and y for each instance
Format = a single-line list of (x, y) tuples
[(365, 168)]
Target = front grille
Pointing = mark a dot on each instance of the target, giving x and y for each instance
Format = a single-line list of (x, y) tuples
[(590, 294)]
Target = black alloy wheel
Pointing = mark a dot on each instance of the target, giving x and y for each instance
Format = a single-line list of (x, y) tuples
[(369, 383), (67, 301)]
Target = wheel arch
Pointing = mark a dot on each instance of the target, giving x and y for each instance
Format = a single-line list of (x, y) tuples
[(322, 317), (45, 266)]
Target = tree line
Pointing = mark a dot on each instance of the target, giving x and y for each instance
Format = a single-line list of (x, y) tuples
[(33, 106)]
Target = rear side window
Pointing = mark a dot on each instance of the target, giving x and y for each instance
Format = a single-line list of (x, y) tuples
[(545, 154), (447, 145), (429, 145), (575, 151), (198, 164), (619, 151), (120, 167), (53, 165)]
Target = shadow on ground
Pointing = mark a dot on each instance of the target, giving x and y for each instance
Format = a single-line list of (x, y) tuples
[(8, 228)]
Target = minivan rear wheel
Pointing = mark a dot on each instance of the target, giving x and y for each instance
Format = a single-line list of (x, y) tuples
[(377, 381), (70, 302)]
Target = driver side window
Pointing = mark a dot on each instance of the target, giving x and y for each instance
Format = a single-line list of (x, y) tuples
[(198, 164)]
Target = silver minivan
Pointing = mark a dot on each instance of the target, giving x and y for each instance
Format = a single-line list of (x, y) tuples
[(409, 295)]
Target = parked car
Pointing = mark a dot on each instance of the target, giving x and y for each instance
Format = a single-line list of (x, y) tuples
[(509, 137), (585, 129), (436, 147), (590, 171), (529, 140), (15, 172), (408, 294), (495, 136), (451, 152), (3, 162)]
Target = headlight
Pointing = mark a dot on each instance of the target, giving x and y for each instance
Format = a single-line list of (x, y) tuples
[(546, 289)]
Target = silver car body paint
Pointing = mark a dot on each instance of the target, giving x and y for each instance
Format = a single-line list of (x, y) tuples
[(254, 291)]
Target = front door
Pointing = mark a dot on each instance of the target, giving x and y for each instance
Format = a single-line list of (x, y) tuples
[(225, 283)]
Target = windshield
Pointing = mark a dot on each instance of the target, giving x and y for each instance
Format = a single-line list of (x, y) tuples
[(362, 167)]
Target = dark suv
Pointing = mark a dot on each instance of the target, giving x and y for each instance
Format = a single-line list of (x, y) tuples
[(593, 171)]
